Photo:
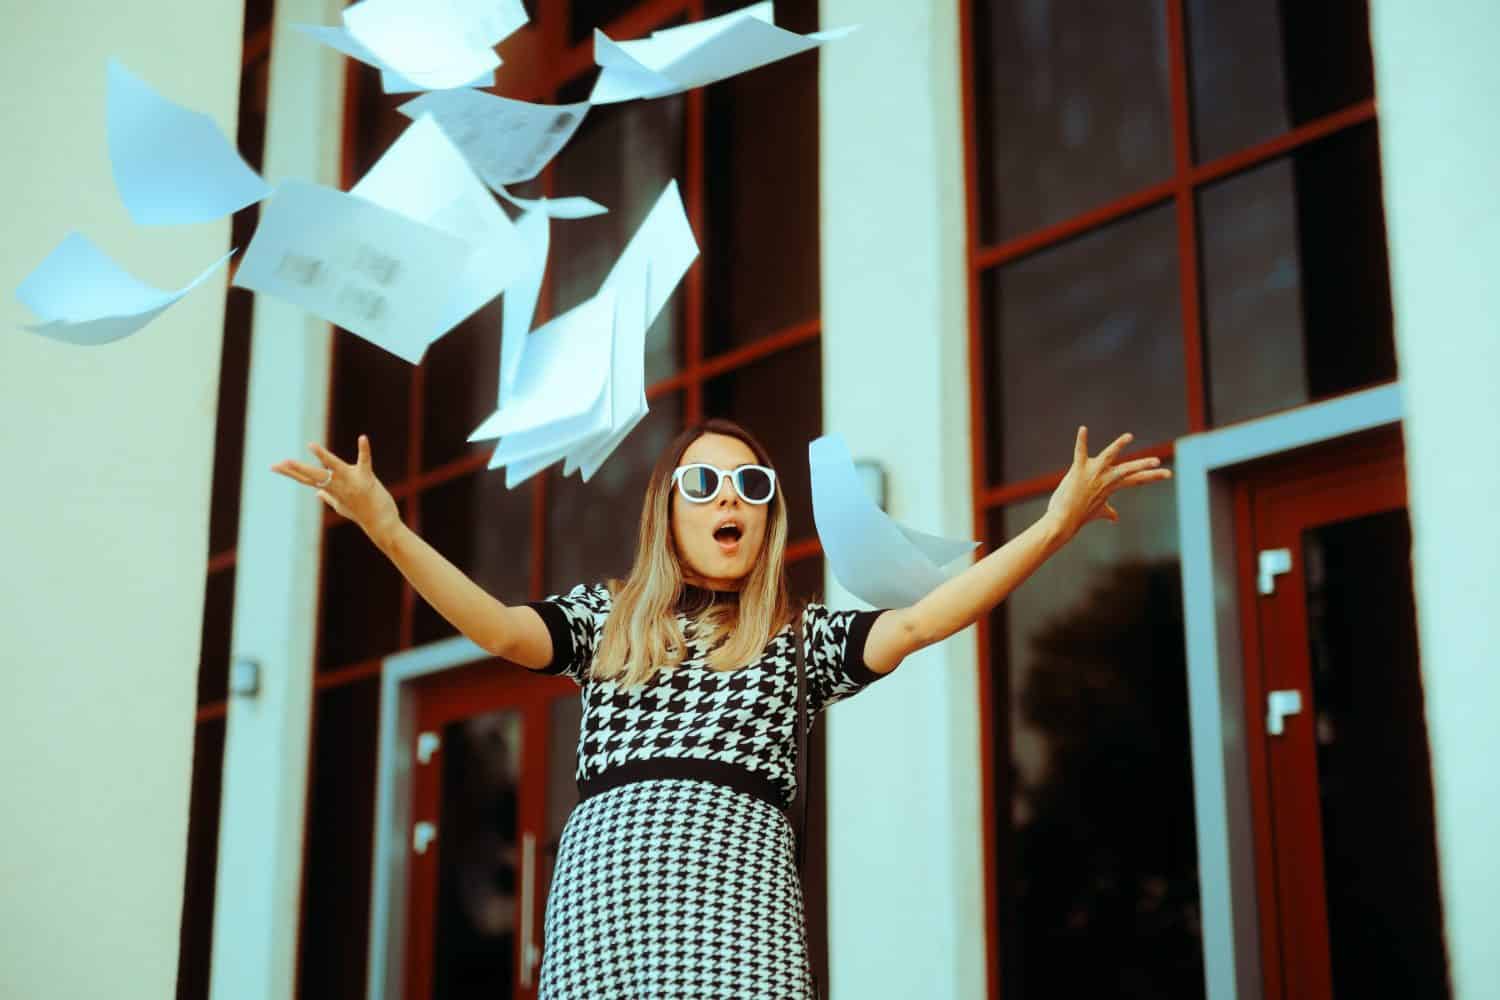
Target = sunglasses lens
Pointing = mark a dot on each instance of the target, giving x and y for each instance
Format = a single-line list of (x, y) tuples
[(700, 484), (754, 485)]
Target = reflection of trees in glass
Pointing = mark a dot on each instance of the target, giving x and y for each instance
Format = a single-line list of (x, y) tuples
[(1106, 891)]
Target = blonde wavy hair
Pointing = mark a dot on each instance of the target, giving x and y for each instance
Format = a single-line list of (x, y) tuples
[(641, 635)]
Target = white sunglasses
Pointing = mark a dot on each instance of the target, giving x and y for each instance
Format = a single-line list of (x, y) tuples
[(700, 482)]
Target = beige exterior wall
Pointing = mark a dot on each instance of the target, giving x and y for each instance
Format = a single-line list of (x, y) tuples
[(107, 456)]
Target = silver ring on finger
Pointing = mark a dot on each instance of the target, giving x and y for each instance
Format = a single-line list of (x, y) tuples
[(325, 480)]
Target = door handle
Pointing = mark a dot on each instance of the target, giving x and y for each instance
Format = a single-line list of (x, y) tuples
[(422, 835), (530, 953), (1280, 704)]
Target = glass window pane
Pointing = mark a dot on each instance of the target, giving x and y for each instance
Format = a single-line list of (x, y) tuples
[(360, 608), (485, 530), (229, 424), (460, 373), (1296, 285), (196, 936), (1263, 67), (622, 157), (218, 620), (371, 393), (592, 527), (804, 580), (1098, 858), (586, 15), (1089, 332), (340, 842), (780, 401), (1072, 108), (762, 220)]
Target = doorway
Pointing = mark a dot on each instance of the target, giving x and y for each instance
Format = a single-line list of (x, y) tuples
[(1339, 776)]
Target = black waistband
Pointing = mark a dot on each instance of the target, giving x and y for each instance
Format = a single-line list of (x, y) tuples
[(716, 771)]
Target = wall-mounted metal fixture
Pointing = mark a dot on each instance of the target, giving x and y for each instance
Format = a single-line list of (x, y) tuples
[(244, 677)]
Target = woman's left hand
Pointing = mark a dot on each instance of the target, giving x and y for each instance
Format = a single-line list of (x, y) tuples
[(1083, 495)]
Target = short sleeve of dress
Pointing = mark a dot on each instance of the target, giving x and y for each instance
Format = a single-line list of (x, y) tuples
[(575, 621), (836, 665)]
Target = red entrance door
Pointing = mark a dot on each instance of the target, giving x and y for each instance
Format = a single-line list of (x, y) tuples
[(1345, 851), (492, 784)]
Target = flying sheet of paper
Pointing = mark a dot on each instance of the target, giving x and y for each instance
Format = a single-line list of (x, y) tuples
[(392, 82), (424, 177), (436, 43), (695, 55), (563, 375), (575, 207), (648, 270), (877, 560), (505, 141), (372, 271), (83, 297), (518, 308), (172, 166)]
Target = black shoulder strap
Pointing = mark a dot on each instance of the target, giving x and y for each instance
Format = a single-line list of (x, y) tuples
[(799, 807)]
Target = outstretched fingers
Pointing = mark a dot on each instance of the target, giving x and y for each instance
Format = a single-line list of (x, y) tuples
[(301, 472), (364, 461), (1108, 456), (328, 458)]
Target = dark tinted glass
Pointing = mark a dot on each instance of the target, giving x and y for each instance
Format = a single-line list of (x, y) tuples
[(1097, 869), (229, 424), (371, 393), (1263, 67), (761, 179), (360, 606), (586, 15), (197, 933), (622, 157), (1297, 301), (1072, 108), (461, 373), (699, 482), (780, 401), (485, 530), (340, 840), (754, 485), (1089, 332), (592, 527), (218, 620)]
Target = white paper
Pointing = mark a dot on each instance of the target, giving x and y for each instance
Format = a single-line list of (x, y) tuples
[(576, 207), (518, 308), (83, 297), (391, 82), (565, 369), (695, 55), (505, 141), (424, 177), (172, 166), (435, 43), (372, 271), (877, 560), (644, 277)]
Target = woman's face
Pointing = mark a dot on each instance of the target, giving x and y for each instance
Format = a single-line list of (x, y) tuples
[(719, 541)]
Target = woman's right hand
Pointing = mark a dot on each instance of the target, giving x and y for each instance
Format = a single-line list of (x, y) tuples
[(352, 490)]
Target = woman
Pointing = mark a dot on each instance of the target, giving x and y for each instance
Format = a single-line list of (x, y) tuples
[(676, 872)]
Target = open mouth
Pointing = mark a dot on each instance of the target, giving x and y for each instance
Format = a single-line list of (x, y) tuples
[(728, 536)]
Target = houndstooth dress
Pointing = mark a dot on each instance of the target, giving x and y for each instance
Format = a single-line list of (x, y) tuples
[(676, 874)]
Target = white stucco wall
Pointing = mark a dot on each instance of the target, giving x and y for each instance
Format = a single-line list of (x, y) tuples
[(905, 876), (1436, 79), (107, 457)]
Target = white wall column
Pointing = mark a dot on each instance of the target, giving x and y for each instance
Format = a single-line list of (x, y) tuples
[(1437, 76), (106, 458), (256, 906), (905, 867)]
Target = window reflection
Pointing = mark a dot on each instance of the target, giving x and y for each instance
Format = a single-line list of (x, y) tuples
[(592, 527), (1262, 67), (1089, 332), (1098, 864), (1072, 108), (1296, 283)]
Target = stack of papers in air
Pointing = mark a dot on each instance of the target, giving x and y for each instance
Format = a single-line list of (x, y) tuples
[(579, 386)]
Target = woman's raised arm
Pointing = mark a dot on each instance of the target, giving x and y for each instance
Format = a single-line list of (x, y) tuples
[(517, 633), (1081, 497)]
